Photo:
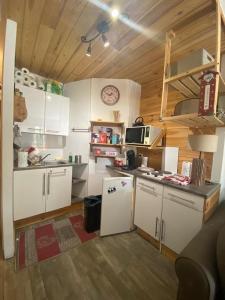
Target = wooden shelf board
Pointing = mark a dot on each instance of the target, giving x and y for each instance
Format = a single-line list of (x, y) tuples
[(105, 156), (107, 123), (190, 72), (106, 145), (194, 120), (78, 180)]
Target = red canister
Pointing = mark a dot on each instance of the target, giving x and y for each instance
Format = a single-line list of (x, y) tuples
[(103, 137)]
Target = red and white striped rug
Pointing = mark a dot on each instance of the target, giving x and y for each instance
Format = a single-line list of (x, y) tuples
[(50, 238)]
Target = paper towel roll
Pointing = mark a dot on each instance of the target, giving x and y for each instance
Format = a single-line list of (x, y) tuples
[(26, 80), (18, 80), (25, 71), (18, 74), (32, 77), (32, 83), (40, 84)]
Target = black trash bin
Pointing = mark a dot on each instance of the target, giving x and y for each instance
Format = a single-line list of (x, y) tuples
[(92, 213)]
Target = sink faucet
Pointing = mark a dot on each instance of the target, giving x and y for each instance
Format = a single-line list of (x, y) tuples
[(44, 157)]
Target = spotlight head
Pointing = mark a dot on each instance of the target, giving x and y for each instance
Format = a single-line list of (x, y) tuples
[(88, 52), (105, 41), (115, 13)]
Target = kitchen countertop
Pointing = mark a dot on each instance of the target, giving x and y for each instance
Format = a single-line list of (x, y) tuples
[(205, 190), (46, 166)]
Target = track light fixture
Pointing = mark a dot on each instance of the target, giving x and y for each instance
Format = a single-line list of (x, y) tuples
[(105, 41), (101, 29), (88, 52)]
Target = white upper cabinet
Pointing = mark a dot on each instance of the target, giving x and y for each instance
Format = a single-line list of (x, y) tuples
[(35, 103), (46, 113), (57, 114)]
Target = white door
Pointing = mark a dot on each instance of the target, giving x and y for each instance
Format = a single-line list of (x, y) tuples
[(180, 223), (58, 188), (35, 103), (57, 114), (148, 207), (117, 200), (29, 193)]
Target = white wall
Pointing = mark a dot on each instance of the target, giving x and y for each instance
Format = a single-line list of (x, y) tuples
[(86, 105), (99, 110), (128, 105), (7, 138), (218, 167)]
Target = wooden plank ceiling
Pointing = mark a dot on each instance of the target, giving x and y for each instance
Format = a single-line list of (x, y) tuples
[(49, 31)]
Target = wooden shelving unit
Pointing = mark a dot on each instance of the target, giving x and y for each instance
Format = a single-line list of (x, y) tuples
[(107, 123), (118, 125), (188, 83), (106, 145)]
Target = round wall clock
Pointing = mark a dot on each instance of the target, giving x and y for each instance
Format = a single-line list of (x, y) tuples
[(110, 95)]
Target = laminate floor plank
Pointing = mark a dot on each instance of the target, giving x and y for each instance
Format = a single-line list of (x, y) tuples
[(120, 267)]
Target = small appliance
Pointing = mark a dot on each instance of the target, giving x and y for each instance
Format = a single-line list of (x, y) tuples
[(131, 160), (141, 135)]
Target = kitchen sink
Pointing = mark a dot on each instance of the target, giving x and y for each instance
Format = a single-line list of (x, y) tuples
[(52, 163)]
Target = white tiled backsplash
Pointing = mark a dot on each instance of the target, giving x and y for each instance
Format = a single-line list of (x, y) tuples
[(45, 143)]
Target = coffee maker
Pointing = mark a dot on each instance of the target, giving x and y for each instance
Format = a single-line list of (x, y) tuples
[(131, 160)]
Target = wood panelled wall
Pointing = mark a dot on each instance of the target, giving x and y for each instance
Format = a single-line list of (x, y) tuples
[(176, 135)]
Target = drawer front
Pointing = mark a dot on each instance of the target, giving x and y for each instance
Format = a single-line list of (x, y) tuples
[(184, 198), (150, 185)]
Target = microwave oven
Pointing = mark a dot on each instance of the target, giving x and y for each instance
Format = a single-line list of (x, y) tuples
[(141, 135)]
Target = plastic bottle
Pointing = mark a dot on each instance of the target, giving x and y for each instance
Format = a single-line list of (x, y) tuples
[(70, 157)]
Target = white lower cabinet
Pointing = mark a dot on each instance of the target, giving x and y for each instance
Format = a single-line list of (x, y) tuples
[(59, 185), (29, 194), (171, 216), (182, 218), (41, 190), (148, 207)]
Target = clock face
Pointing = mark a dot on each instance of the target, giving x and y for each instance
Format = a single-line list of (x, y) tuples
[(110, 95)]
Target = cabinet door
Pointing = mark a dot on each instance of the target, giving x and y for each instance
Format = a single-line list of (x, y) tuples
[(180, 223), (57, 114), (59, 185), (148, 206), (29, 193), (35, 103)]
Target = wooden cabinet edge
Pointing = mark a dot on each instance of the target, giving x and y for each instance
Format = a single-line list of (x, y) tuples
[(148, 238), (210, 205), (155, 243)]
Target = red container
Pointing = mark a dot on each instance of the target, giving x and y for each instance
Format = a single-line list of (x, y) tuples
[(97, 152), (118, 163), (103, 137)]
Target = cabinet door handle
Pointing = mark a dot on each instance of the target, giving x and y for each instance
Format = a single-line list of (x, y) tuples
[(182, 199), (32, 128), (162, 229), (59, 173), (43, 186), (48, 183), (53, 131), (156, 226), (144, 189), (146, 185)]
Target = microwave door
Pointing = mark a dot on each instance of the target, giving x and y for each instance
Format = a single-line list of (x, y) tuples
[(135, 135)]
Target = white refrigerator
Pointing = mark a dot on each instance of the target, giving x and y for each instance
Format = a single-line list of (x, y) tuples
[(117, 205)]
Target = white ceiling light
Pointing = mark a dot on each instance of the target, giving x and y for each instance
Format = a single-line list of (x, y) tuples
[(115, 13)]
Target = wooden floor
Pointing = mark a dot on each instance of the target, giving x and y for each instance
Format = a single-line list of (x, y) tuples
[(118, 267)]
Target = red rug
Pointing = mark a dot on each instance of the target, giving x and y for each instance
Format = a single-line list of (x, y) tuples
[(48, 239)]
